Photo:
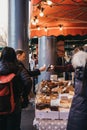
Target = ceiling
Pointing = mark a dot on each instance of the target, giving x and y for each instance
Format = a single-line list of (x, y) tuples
[(69, 14)]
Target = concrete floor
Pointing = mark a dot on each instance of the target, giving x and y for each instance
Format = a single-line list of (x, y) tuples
[(28, 115)]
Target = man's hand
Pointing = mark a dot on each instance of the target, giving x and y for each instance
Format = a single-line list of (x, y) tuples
[(50, 67), (43, 68)]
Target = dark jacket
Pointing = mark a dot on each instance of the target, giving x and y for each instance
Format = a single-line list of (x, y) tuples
[(27, 90), (20, 82), (33, 73), (78, 112), (65, 68)]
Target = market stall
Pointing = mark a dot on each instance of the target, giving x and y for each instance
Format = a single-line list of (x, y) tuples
[(52, 104)]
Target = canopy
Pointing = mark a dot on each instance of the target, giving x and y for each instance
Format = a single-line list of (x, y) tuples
[(63, 17)]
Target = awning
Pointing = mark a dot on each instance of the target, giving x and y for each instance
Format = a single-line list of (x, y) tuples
[(63, 17)]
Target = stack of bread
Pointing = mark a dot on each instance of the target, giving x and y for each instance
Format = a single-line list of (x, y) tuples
[(50, 91), (54, 96)]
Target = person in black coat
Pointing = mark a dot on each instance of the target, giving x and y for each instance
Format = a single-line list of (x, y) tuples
[(21, 56), (8, 65)]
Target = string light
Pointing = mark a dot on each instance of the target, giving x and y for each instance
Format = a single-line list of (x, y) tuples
[(38, 28), (41, 12), (34, 21), (45, 29), (49, 2), (60, 27), (41, 9)]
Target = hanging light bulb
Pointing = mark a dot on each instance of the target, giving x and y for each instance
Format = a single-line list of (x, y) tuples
[(45, 29), (49, 2), (41, 9), (38, 28), (35, 20), (41, 12), (60, 27)]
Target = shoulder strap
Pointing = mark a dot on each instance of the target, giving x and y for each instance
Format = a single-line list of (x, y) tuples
[(6, 78)]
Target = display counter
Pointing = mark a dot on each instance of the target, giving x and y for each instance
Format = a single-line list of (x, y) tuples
[(52, 105), (47, 124)]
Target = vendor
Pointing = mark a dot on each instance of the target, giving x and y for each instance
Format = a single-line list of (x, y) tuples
[(78, 112)]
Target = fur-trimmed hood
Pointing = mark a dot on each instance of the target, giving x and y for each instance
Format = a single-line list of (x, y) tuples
[(79, 59)]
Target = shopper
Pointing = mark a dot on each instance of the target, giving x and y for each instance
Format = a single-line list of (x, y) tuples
[(8, 64), (21, 55)]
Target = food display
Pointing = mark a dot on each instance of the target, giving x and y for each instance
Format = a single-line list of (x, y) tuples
[(54, 98)]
